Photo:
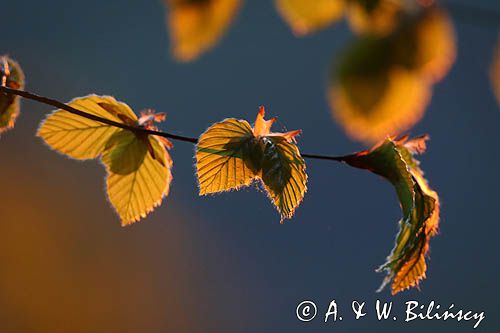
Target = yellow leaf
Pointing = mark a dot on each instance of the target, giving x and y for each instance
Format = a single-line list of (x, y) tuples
[(306, 16), (231, 154), (374, 105), (138, 165), (223, 157), (195, 26), (11, 76), (139, 174), (82, 138), (375, 17)]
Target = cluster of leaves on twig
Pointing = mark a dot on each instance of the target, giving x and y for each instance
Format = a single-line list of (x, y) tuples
[(229, 155), (380, 85)]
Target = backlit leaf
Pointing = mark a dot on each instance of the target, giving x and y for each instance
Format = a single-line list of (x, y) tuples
[(374, 17), (305, 17), (11, 76), (138, 165), (394, 160), (283, 174), (224, 157), (139, 174), (231, 154), (386, 160), (195, 26), (83, 138), (406, 264)]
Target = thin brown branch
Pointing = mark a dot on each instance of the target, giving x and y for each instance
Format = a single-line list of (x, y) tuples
[(135, 129)]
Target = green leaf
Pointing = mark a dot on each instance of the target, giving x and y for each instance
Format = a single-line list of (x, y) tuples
[(231, 154), (406, 264), (283, 174), (395, 161), (386, 160), (11, 76)]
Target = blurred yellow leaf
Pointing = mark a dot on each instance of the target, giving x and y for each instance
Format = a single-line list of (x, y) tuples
[(139, 174), (305, 16), (372, 106), (11, 76), (437, 44), (382, 85), (138, 165), (427, 44), (195, 26), (495, 73), (231, 154), (375, 17)]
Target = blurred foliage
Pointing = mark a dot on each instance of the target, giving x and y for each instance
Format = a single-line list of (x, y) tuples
[(376, 17), (195, 26), (12, 76), (495, 72), (138, 166), (382, 85), (305, 17), (394, 160), (231, 154), (364, 16)]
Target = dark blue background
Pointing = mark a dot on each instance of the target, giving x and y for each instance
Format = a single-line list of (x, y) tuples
[(246, 272)]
